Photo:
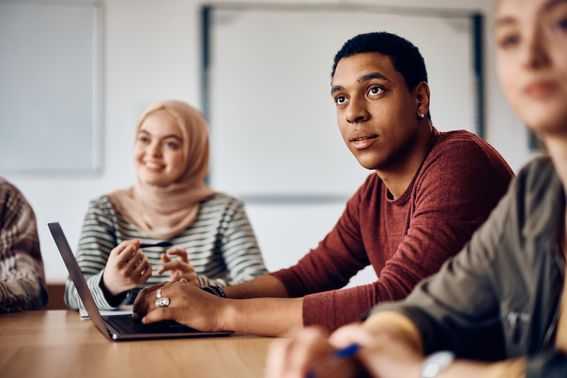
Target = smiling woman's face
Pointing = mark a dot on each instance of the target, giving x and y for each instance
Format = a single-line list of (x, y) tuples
[(531, 45), (158, 151)]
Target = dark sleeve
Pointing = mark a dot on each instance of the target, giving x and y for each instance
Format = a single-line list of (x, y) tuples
[(458, 308), (549, 364), (456, 190)]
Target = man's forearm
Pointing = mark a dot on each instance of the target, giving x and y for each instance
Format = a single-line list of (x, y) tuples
[(262, 316), (266, 286)]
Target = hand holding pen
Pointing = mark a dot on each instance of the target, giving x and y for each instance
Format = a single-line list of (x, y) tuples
[(342, 363), (310, 353), (352, 351)]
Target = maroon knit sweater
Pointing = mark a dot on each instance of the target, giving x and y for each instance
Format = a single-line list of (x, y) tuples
[(460, 181)]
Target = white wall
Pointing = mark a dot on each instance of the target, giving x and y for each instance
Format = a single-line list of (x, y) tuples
[(151, 52)]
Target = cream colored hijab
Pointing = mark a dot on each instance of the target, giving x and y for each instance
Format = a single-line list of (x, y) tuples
[(162, 212)]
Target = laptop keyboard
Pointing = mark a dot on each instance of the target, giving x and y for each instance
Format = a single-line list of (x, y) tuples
[(124, 324)]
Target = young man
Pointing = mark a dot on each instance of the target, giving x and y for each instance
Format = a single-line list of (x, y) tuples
[(22, 282), (504, 297), (429, 191)]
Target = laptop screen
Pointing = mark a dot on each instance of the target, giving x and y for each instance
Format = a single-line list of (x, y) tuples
[(77, 276)]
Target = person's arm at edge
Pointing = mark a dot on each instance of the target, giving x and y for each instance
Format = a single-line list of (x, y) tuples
[(22, 294), (27, 291)]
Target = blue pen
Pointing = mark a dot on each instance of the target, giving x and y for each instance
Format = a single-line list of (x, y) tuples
[(346, 352)]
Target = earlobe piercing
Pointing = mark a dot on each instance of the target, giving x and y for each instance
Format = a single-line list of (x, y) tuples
[(421, 115)]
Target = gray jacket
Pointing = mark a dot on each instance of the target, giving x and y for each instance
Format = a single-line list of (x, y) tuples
[(500, 296)]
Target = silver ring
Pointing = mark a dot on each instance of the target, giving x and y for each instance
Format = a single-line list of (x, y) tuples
[(160, 301)]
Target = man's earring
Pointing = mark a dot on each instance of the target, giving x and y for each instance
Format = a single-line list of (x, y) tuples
[(421, 115)]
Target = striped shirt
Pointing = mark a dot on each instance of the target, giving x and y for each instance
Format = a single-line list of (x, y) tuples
[(220, 244), (22, 280)]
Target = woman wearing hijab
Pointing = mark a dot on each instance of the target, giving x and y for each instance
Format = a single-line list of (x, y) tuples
[(204, 236)]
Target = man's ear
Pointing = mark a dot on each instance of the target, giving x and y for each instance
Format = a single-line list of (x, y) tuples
[(422, 97)]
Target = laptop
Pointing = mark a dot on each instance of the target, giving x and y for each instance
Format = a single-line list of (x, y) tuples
[(118, 327)]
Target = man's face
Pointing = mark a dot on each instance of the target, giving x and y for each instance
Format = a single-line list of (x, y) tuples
[(376, 112)]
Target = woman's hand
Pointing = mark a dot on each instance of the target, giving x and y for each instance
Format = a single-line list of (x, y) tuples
[(188, 305), (384, 352), (127, 268), (309, 352), (178, 268)]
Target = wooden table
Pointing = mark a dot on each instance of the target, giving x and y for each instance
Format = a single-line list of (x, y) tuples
[(57, 343)]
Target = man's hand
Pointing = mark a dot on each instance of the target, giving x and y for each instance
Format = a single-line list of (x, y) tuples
[(188, 305), (178, 268), (383, 354), (127, 268)]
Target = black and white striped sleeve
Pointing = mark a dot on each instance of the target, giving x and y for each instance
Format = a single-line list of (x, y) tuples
[(96, 242), (239, 248)]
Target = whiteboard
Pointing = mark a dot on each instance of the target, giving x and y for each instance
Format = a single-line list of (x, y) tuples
[(273, 123), (50, 75)]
